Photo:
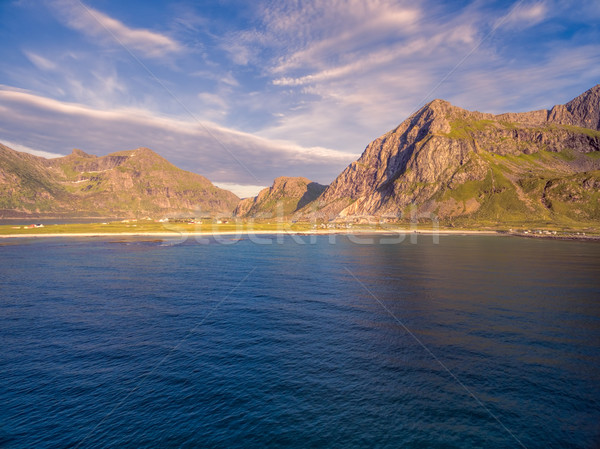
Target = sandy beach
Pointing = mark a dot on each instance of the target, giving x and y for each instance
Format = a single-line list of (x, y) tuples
[(250, 233)]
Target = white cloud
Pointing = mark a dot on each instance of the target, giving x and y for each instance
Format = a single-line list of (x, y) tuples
[(345, 78), (220, 153), (226, 78), (326, 31), (524, 15), (96, 24), (365, 73), (25, 149), (557, 80), (39, 61), (416, 49), (213, 100), (242, 46), (319, 80), (86, 79), (241, 190)]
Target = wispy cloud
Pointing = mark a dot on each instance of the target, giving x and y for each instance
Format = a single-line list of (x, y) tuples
[(96, 24), (372, 61), (25, 149), (330, 31), (241, 190), (222, 77), (350, 71), (30, 120), (363, 61), (290, 87), (243, 46), (39, 61), (73, 77), (212, 99), (524, 14), (565, 74)]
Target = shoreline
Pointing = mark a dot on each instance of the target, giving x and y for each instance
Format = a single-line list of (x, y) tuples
[(246, 233), (250, 232)]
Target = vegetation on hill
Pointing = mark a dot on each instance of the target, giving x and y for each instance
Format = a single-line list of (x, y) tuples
[(460, 167), (124, 184), (467, 168), (282, 199)]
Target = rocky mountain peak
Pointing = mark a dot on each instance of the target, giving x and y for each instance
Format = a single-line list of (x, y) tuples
[(125, 183), (432, 116), (290, 185), (145, 152), (455, 162), (80, 153), (286, 196), (585, 108)]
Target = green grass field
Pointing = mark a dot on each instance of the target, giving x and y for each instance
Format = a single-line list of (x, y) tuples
[(142, 227), (177, 228)]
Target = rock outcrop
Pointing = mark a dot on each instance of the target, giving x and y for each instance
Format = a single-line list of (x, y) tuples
[(124, 184), (282, 199), (459, 164)]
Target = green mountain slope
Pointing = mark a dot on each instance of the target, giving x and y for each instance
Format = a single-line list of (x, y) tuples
[(26, 184), (282, 199), (472, 168), (124, 184)]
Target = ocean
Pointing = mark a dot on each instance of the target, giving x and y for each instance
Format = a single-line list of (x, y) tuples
[(329, 341)]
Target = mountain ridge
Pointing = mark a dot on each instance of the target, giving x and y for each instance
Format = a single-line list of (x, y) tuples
[(460, 166), (125, 184), (455, 163), (284, 197)]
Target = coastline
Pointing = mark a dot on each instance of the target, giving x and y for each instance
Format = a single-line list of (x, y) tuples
[(250, 232)]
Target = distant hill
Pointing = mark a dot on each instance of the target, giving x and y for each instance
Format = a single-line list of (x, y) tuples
[(124, 184), (284, 197), (476, 168)]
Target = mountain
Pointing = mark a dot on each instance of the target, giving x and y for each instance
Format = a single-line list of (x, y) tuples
[(123, 184), (284, 197), (472, 167)]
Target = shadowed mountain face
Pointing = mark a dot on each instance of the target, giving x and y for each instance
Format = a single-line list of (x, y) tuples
[(123, 184), (282, 199), (473, 167)]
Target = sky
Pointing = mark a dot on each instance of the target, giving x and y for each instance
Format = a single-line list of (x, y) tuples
[(244, 91)]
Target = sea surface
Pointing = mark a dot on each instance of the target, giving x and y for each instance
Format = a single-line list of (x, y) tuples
[(472, 342)]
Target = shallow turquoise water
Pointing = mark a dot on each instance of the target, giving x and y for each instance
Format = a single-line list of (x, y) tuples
[(477, 341)]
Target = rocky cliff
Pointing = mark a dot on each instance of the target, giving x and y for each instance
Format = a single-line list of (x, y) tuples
[(471, 166), (123, 184), (283, 198)]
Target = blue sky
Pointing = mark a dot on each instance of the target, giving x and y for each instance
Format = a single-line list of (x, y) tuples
[(243, 92)]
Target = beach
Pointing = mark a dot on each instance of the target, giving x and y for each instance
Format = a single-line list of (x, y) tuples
[(250, 232)]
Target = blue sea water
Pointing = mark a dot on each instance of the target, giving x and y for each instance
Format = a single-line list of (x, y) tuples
[(478, 341)]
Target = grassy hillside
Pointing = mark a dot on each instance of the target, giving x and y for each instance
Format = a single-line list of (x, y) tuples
[(282, 199), (127, 184), (472, 169)]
